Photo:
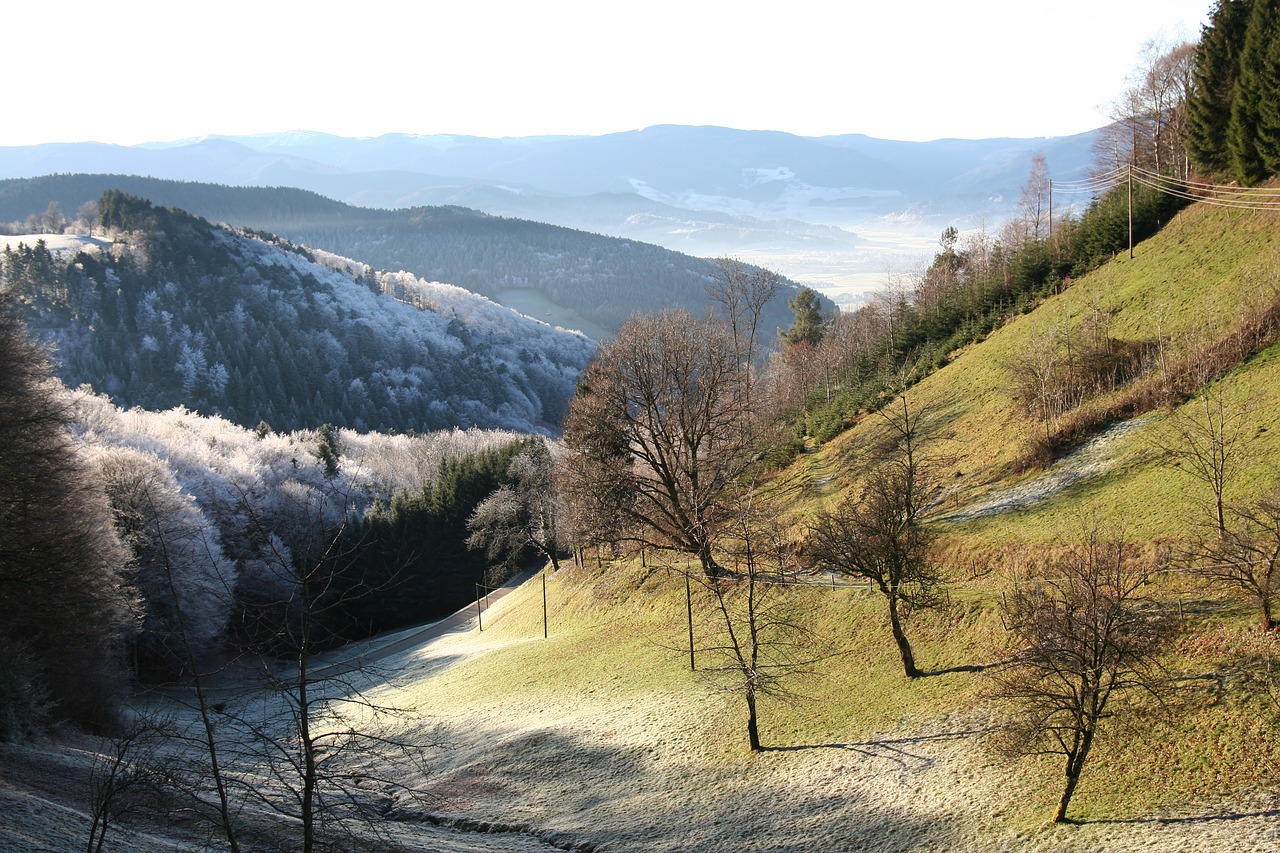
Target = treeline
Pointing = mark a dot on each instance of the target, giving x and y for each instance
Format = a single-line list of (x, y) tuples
[(409, 558), (179, 312), (602, 279)]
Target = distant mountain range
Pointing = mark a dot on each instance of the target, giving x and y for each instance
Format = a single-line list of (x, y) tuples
[(820, 210)]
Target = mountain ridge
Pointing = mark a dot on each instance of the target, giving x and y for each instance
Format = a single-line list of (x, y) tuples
[(779, 187), (585, 281)]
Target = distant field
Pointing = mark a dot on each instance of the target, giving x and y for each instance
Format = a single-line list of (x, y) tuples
[(54, 242), (534, 303)]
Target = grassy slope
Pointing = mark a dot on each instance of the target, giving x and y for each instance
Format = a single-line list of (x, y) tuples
[(602, 732), (1194, 278)]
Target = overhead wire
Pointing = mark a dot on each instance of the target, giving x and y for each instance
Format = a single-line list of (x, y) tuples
[(1219, 195)]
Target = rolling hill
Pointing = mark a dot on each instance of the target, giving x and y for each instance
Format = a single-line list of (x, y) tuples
[(601, 737), (865, 758), (178, 312), (568, 277)]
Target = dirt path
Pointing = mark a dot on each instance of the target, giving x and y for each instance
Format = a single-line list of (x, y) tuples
[(359, 655), (1093, 459)]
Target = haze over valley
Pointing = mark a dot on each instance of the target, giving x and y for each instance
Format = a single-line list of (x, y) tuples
[(841, 214)]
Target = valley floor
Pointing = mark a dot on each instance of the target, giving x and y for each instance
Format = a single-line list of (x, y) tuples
[(667, 770), (605, 768)]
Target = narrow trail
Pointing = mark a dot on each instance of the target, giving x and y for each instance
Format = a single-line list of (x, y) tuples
[(819, 469), (1093, 459), (244, 677)]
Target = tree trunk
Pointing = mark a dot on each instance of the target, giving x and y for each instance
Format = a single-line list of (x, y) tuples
[(1075, 765), (1060, 816), (753, 726), (710, 567), (202, 704), (308, 758), (899, 636), (549, 551), (1267, 622)]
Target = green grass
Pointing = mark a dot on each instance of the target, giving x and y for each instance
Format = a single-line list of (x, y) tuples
[(618, 640), (617, 645), (1193, 279)]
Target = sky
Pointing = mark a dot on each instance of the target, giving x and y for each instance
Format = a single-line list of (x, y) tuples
[(136, 71)]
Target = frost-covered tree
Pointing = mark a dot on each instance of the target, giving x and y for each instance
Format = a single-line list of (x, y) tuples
[(186, 583), (520, 515)]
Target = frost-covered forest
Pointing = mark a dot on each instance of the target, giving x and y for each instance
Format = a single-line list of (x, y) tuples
[(180, 312), (245, 434), (221, 519)]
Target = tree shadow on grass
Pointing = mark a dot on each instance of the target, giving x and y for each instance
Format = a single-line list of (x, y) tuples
[(969, 667), (1185, 819), (587, 794), (894, 750)]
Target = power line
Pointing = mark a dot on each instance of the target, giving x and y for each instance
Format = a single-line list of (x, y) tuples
[(1218, 195)]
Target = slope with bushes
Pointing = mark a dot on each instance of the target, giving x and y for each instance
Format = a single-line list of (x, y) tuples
[(861, 758), (1199, 299)]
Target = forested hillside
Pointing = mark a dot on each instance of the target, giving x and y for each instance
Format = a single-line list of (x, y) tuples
[(179, 312), (602, 280)]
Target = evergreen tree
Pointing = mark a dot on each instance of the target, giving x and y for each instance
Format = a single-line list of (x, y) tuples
[(63, 609), (1269, 106), (1253, 144), (808, 325), (328, 449), (1216, 69)]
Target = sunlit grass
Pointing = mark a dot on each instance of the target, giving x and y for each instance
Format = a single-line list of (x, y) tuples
[(609, 700)]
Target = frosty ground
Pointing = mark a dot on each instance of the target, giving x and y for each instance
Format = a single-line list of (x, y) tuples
[(599, 770)]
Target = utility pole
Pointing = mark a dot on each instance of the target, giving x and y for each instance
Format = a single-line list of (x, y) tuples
[(1130, 210), (688, 599)]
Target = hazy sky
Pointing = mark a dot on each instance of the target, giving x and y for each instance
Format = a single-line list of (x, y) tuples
[(133, 70)]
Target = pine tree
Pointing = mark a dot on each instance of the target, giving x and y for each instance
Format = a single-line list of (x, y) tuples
[(1216, 69), (808, 326), (1251, 143), (1269, 107)]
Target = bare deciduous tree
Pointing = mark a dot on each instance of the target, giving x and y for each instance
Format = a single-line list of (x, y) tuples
[(743, 292), (128, 772), (1209, 439), (305, 740), (1245, 554), (880, 536), (1149, 118), (761, 639), (656, 434), (1083, 633), (1033, 203)]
